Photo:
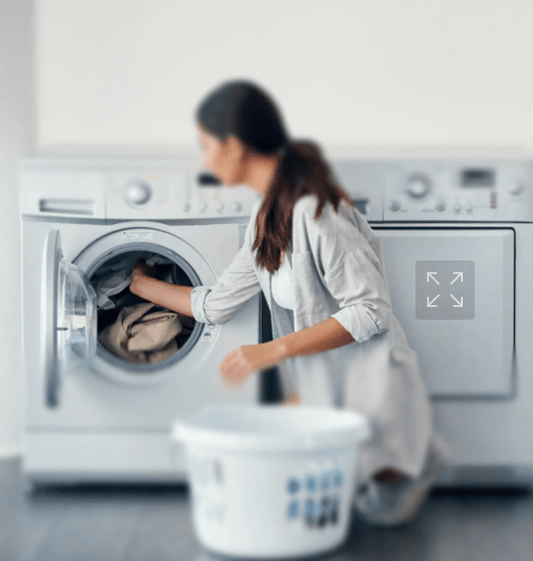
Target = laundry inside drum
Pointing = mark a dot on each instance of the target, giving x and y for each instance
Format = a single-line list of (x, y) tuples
[(130, 327)]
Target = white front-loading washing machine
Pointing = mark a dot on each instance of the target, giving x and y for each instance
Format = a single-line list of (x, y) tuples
[(90, 414)]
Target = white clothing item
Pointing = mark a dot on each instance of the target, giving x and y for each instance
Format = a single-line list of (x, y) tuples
[(338, 272), (113, 277), (282, 284)]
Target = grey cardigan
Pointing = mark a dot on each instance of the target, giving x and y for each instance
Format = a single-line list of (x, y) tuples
[(338, 272)]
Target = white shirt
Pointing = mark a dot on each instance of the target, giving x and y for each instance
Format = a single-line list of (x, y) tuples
[(282, 291)]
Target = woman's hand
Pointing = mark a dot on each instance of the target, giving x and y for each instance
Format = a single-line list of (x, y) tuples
[(141, 269), (237, 366), (292, 399)]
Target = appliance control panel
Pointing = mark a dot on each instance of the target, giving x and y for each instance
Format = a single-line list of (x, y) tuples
[(457, 191), (181, 192), (123, 187), (383, 189)]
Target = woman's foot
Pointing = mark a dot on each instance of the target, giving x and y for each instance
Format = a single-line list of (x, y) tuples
[(397, 503)]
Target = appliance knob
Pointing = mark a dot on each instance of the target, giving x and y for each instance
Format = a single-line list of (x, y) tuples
[(236, 207), (515, 188), (394, 206), (457, 207), (417, 186), (185, 207), (138, 192), (202, 206), (219, 206), (469, 207), (441, 205)]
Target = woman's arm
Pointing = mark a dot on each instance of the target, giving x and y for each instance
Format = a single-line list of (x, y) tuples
[(171, 296), (323, 336), (241, 362), (215, 303)]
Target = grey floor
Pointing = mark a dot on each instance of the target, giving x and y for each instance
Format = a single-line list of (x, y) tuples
[(153, 524)]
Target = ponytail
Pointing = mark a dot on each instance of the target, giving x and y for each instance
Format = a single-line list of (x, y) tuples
[(302, 170)]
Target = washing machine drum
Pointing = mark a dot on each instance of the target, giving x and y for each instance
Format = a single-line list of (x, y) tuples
[(130, 327)]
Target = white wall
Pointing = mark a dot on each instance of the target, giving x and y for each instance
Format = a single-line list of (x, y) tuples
[(16, 136), (343, 71), (357, 72)]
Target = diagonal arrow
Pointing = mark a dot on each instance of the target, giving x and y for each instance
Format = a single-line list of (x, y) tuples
[(430, 304), (430, 275), (460, 274), (459, 304)]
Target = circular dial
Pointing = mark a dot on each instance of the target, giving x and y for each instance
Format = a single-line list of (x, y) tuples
[(138, 192), (417, 185)]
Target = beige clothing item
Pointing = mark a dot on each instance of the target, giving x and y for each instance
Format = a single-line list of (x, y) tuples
[(139, 336)]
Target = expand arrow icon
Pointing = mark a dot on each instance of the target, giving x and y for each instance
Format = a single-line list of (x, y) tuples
[(430, 275), (459, 275), (430, 304), (459, 304)]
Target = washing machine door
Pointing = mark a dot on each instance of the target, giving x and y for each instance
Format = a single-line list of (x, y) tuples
[(68, 316)]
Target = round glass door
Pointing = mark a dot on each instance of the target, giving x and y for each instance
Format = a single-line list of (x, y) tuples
[(77, 325)]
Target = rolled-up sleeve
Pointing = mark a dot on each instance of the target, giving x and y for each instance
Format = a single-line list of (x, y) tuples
[(361, 293), (351, 271), (237, 284)]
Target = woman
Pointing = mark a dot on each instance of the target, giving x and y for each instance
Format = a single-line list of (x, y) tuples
[(335, 339)]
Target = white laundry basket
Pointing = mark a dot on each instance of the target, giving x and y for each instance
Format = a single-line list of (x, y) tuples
[(270, 481)]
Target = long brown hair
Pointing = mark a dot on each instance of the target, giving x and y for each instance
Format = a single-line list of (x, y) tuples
[(242, 109)]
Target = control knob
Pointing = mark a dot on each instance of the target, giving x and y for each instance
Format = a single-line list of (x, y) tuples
[(417, 186), (138, 192)]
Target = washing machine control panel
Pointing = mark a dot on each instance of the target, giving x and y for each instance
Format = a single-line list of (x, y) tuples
[(124, 187), (173, 193)]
